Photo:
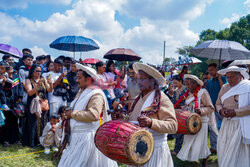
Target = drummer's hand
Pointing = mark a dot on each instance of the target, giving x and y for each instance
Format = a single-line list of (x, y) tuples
[(222, 112), (230, 113), (144, 121), (197, 111), (67, 114)]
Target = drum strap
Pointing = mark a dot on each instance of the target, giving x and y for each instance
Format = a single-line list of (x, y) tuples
[(183, 97), (154, 107)]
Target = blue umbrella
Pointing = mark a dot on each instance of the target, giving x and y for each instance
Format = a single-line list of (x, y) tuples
[(74, 44)]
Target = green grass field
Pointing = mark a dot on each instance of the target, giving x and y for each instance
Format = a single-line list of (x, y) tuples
[(18, 156)]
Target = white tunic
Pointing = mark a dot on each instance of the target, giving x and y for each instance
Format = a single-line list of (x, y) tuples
[(233, 148), (81, 151), (161, 156), (195, 146)]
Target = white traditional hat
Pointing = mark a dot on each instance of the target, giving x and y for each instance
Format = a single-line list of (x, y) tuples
[(92, 72), (242, 71), (150, 71), (189, 76)]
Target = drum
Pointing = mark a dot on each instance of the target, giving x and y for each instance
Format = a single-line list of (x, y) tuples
[(188, 123), (125, 142)]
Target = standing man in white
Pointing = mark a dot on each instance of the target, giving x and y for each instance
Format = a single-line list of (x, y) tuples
[(88, 105), (233, 103)]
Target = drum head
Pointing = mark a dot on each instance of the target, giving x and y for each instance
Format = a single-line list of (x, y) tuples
[(140, 147), (194, 123)]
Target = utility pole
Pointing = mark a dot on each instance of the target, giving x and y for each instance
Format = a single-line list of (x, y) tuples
[(164, 46)]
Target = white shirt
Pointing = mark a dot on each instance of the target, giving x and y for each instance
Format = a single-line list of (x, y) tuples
[(52, 98)]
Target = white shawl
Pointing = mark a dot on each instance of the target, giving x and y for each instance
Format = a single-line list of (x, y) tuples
[(212, 121), (82, 100), (243, 90)]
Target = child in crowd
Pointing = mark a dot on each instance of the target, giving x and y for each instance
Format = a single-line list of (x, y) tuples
[(52, 134), (3, 79)]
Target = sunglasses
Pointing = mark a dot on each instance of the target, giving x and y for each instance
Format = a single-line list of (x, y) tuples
[(38, 71)]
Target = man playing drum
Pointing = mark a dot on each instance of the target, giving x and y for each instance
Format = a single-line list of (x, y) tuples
[(233, 104), (87, 107), (197, 100), (153, 109)]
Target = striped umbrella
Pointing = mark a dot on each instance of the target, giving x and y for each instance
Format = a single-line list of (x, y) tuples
[(7, 49), (221, 50), (239, 62), (74, 44)]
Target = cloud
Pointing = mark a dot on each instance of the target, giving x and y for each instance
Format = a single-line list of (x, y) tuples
[(229, 21), (164, 9), (22, 4), (247, 5), (166, 20), (62, 2), (36, 51)]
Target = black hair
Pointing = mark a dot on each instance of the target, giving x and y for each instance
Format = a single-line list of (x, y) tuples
[(26, 49), (183, 68), (131, 66), (48, 64), (178, 78), (32, 70), (40, 57), (109, 63), (55, 116), (73, 62), (47, 56), (25, 56), (4, 64), (67, 58), (213, 65), (61, 57), (61, 109), (58, 60), (99, 64), (6, 56)]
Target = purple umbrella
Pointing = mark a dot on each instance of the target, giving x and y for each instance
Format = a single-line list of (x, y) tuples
[(7, 49)]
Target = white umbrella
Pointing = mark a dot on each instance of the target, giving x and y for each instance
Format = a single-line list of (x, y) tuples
[(239, 62), (188, 61), (222, 50)]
